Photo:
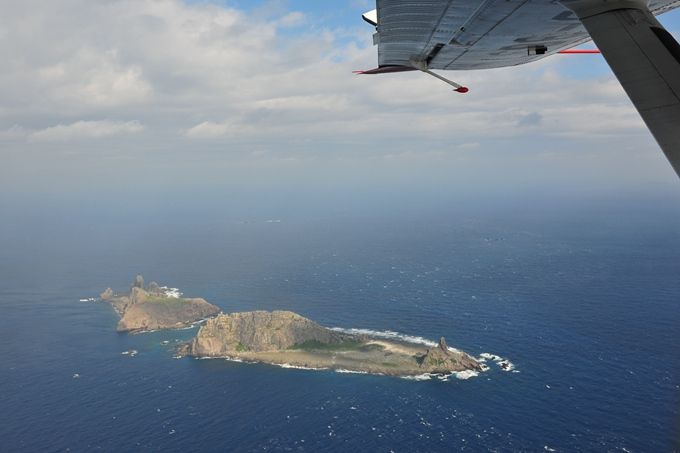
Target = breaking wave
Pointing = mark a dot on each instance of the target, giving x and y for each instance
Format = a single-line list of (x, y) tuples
[(391, 335), (386, 334), (298, 367), (419, 377), (462, 375), (503, 363), (467, 374)]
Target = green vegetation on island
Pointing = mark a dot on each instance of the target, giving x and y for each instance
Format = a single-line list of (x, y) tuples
[(288, 339), (156, 307)]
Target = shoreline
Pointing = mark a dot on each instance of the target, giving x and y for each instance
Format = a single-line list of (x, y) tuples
[(375, 356)]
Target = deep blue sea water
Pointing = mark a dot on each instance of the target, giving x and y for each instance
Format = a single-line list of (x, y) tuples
[(582, 295)]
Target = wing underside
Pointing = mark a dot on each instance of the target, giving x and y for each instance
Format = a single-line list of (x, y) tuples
[(455, 34)]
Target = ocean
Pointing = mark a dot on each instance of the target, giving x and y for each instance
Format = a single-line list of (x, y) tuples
[(581, 294)]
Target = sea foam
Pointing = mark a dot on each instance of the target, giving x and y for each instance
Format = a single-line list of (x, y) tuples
[(387, 334), (503, 363), (342, 370), (467, 374), (298, 367), (391, 335)]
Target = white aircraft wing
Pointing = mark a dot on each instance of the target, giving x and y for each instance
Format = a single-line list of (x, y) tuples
[(482, 34)]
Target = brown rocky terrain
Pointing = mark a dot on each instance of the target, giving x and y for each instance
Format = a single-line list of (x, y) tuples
[(286, 338), (259, 331), (440, 359), (156, 308)]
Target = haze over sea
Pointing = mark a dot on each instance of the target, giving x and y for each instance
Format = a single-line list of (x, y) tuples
[(579, 291)]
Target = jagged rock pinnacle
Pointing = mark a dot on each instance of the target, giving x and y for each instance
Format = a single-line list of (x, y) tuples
[(139, 282), (442, 345)]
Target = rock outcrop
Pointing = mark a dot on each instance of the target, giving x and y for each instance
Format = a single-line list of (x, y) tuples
[(151, 309), (259, 331), (288, 339), (440, 359), (153, 288), (138, 282)]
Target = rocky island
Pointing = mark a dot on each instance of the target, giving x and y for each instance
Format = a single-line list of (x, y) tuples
[(285, 338), (288, 339), (156, 307)]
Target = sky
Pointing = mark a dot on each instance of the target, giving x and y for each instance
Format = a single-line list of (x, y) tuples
[(127, 96)]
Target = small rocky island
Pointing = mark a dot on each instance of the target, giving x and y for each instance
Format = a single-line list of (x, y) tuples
[(283, 338), (288, 339), (156, 307)]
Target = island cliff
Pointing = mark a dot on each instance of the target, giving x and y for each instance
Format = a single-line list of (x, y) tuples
[(286, 338), (260, 331), (155, 307)]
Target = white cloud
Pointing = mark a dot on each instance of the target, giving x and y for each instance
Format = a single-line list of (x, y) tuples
[(96, 79), (182, 62), (14, 132), (85, 130), (216, 73), (294, 19), (209, 129)]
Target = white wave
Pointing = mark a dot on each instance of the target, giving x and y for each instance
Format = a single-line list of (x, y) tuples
[(342, 370), (297, 367), (419, 377), (227, 358), (389, 335), (175, 293), (239, 360), (193, 325), (464, 375), (201, 321), (88, 299), (503, 363), (506, 365)]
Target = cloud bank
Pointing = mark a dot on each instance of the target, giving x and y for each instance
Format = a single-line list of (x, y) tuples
[(203, 78)]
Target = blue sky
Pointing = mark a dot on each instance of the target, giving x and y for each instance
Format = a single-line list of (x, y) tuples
[(261, 94), (334, 14)]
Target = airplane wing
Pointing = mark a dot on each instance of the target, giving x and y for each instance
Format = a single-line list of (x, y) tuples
[(483, 34)]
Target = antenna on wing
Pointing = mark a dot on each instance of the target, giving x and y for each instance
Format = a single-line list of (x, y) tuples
[(422, 66)]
